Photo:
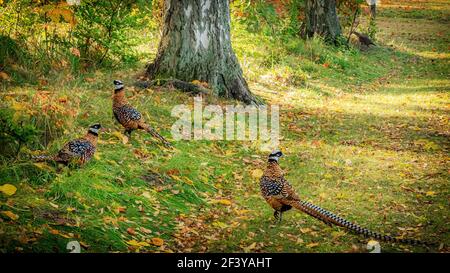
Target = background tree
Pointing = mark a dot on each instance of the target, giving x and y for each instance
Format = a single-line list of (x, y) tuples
[(321, 19), (196, 45), (373, 8)]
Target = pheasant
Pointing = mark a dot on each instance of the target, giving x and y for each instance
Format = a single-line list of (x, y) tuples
[(280, 195), (364, 39), (129, 117), (78, 150)]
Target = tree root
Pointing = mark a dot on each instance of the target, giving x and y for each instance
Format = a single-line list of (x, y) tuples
[(188, 87)]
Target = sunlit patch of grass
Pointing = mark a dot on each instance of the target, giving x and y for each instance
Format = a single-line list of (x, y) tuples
[(415, 9), (365, 134)]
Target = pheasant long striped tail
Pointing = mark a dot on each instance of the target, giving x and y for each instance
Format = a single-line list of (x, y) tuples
[(155, 134), (330, 218), (41, 158)]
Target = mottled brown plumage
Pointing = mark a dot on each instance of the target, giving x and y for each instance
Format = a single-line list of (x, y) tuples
[(280, 195), (129, 117), (78, 151)]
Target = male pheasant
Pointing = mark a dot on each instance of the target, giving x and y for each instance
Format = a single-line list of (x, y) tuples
[(280, 195), (129, 117), (79, 150)]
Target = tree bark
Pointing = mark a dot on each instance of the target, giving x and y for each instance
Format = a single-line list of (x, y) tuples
[(322, 20), (196, 45), (373, 7)]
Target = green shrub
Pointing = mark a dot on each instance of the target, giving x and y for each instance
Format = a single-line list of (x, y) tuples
[(56, 35), (14, 133)]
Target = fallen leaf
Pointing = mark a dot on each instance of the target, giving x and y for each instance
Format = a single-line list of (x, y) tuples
[(137, 244), (8, 189), (4, 76), (120, 136), (11, 215), (305, 230), (75, 51), (311, 245), (131, 231), (54, 231), (53, 205), (430, 193), (223, 202), (157, 241), (110, 220), (43, 166), (257, 173), (145, 230)]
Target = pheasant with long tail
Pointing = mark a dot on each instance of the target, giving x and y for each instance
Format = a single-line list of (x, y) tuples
[(79, 150), (128, 116), (280, 195)]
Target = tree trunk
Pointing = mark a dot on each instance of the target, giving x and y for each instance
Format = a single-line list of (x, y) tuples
[(321, 19), (373, 11), (373, 7), (196, 45)]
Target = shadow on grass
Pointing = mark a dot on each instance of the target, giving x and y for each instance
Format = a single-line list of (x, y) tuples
[(396, 133)]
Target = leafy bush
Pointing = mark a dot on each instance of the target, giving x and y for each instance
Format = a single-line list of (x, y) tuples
[(14, 133), (103, 29), (59, 35)]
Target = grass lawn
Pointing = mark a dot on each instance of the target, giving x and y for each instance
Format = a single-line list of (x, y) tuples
[(365, 134)]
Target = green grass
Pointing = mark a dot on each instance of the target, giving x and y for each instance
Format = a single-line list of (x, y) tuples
[(365, 135)]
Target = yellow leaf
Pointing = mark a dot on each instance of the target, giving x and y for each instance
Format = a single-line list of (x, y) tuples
[(110, 220), (11, 215), (219, 224), (148, 195), (240, 212), (223, 202), (8, 189), (125, 140), (430, 193), (18, 106), (311, 245), (157, 241), (305, 230), (323, 195), (188, 181), (257, 173), (120, 136), (137, 244), (42, 166), (56, 13)]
